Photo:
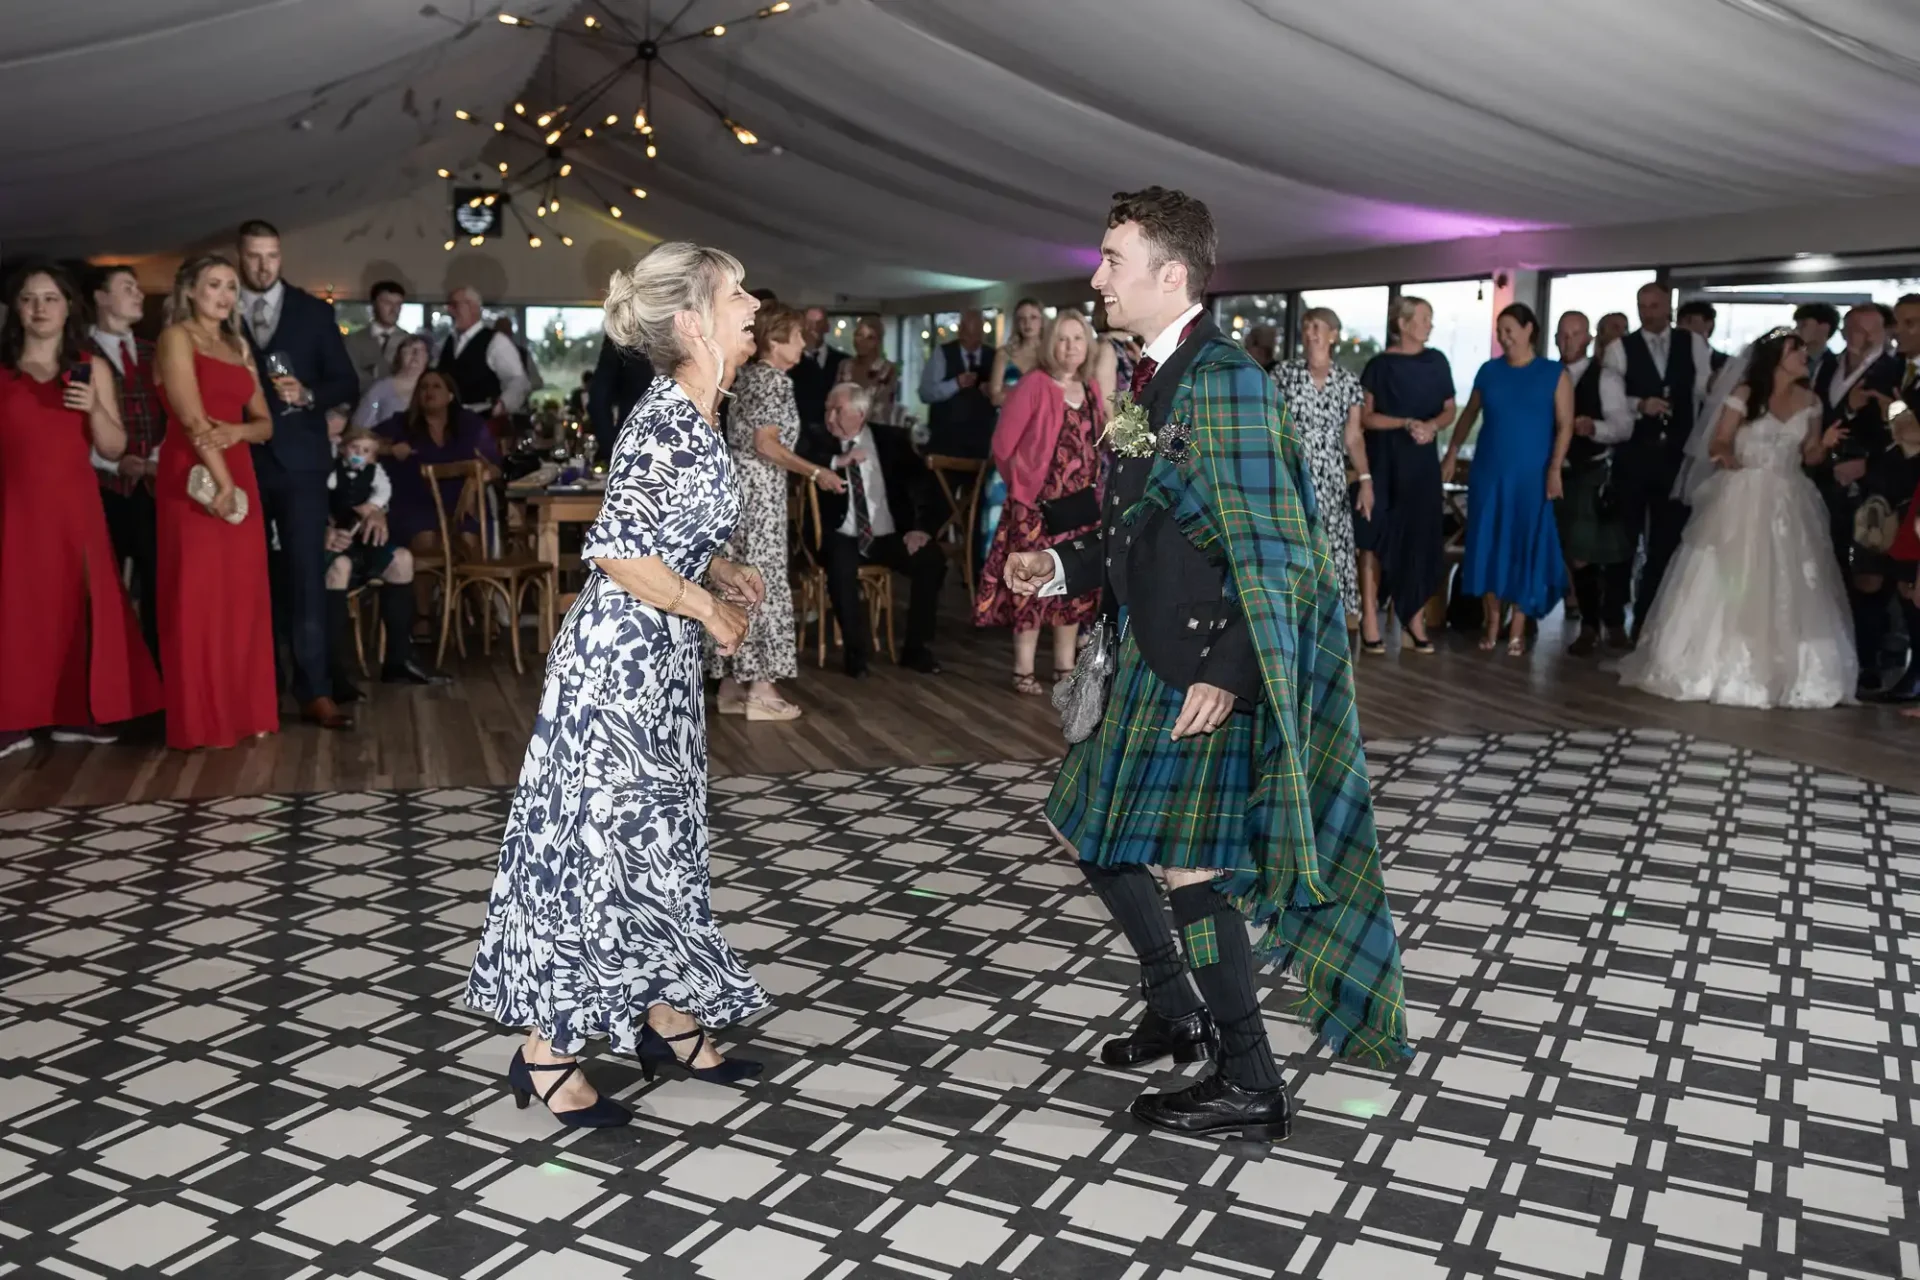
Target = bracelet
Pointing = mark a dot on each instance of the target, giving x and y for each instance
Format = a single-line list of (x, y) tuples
[(1363, 477), (678, 596)]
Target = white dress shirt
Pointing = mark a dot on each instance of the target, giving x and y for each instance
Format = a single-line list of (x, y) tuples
[(1164, 344), (935, 389), (1844, 379), (262, 320), (119, 348), (873, 484), (382, 494), (1615, 423), (504, 359)]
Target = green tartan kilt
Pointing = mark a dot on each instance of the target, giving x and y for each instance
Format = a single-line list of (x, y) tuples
[(1585, 536), (1131, 794)]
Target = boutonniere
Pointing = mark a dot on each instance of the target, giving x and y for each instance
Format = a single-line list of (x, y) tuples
[(1128, 433)]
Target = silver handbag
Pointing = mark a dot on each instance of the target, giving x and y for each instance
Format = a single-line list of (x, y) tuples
[(1081, 698)]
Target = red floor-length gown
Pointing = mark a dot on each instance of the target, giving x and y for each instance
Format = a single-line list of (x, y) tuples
[(70, 648), (216, 611)]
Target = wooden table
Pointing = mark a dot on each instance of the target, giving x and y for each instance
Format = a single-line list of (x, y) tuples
[(550, 509)]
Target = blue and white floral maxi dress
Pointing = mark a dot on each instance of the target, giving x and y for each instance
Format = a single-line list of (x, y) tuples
[(602, 904)]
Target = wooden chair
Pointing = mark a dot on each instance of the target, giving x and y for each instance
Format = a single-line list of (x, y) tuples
[(357, 619), (961, 480), (810, 585), (505, 580)]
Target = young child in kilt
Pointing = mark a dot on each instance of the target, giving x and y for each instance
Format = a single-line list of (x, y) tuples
[(1229, 754), (358, 493)]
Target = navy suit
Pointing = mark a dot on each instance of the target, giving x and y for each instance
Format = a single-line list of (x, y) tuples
[(620, 380), (292, 470)]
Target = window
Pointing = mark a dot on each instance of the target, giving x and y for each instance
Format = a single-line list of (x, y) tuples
[(1462, 326), (1237, 314), (1594, 294), (358, 315), (1747, 311), (1363, 321), (565, 343)]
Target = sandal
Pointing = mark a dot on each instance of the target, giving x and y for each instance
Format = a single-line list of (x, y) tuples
[(1422, 647), (1516, 647), (1024, 683), (1061, 673), (769, 709)]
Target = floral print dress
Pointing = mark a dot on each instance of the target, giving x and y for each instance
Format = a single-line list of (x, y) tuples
[(1320, 414), (602, 904), (762, 397), (1075, 466)]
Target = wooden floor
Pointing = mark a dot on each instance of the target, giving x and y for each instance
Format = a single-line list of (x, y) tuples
[(474, 731)]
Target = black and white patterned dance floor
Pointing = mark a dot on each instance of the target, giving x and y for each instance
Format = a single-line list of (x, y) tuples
[(1663, 992)]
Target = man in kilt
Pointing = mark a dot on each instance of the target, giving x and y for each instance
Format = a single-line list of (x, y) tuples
[(1229, 753)]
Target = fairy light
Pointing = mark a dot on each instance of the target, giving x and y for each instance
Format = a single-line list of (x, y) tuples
[(545, 120), (638, 194), (477, 241), (461, 114), (717, 30), (519, 108), (508, 20), (611, 120), (652, 151), (565, 169), (614, 209), (567, 241), (533, 242), (503, 166), (499, 126), (444, 173), (553, 137), (448, 246)]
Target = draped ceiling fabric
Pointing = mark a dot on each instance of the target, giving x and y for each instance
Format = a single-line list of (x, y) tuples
[(911, 147)]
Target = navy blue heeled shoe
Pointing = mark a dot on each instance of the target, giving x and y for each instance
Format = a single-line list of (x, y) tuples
[(605, 1113), (656, 1050)]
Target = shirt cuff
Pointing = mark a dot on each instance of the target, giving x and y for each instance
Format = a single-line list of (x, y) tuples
[(1057, 584)]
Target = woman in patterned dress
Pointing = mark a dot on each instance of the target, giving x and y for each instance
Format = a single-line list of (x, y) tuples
[(1324, 402), (763, 425), (1047, 446), (601, 923)]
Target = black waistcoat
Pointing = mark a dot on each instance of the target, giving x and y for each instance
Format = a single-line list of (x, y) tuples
[(351, 488), (1645, 380), (475, 381), (1587, 404), (962, 425)]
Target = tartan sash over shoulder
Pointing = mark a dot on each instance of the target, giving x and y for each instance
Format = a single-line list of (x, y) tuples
[(1239, 490)]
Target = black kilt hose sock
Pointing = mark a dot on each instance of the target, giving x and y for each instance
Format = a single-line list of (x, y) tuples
[(1221, 957), (1133, 899)]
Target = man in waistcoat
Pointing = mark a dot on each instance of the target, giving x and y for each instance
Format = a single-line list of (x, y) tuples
[(1668, 372), (1592, 534), (484, 363), (960, 417), (1229, 751)]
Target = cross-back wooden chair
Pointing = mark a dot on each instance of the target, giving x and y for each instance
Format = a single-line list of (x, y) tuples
[(960, 480), (504, 579), (810, 585)]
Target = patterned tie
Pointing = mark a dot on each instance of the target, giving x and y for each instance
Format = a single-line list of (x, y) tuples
[(259, 321), (1143, 372), (862, 516), (129, 359)]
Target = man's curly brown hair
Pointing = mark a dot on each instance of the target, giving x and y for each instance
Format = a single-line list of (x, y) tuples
[(1177, 228)]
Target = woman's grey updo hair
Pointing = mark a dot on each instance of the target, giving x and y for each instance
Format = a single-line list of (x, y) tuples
[(676, 276)]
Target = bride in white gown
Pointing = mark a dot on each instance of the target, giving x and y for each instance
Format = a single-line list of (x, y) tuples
[(1753, 611)]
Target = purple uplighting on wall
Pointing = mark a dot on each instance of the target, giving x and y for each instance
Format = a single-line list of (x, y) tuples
[(1413, 224)]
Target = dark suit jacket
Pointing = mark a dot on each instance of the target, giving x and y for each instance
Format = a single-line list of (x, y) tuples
[(620, 379), (1178, 612), (812, 381), (914, 499), (309, 337), (1867, 429)]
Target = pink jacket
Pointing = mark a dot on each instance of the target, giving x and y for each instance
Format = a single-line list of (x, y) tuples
[(1029, 430)]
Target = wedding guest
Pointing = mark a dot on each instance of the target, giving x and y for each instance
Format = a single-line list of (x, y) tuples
[(394, 392), (953, 385), (1022, 353), (887, 515), (374, 348), (484, 363), (1047, 446), (1816, 323), (1595, 541), (869, 367), (503, 324), (1114, 356), (1513, 557), (1409, 402), (1325, 402), (1855, 390), (620, 381), (601, 920), (817, 373), (293, 331), (70, 646), (1701, 317), (126, 483), (433, 430), (1880, 577), (763, 426), (1263, 344), (361, 553), (1667, 380), (216, 616)]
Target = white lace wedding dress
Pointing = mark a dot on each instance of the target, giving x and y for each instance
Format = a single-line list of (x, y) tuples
[(1753, 611)]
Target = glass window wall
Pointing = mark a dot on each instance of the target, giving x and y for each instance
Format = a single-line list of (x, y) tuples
[(1594, 294), (1363, 321), (1462, 326)]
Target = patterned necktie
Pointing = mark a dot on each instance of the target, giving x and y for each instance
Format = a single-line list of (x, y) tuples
[(862, 516), (1143, 372), (259, 320), (129, 359)]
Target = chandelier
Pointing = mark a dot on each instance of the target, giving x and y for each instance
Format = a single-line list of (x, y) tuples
[(591, 113)]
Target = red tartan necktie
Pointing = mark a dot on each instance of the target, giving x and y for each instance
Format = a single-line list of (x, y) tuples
[(129, 360)]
